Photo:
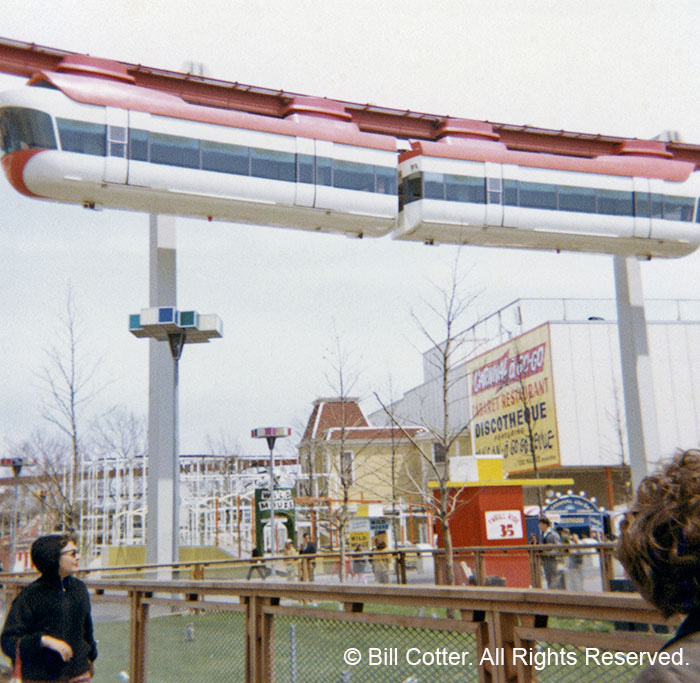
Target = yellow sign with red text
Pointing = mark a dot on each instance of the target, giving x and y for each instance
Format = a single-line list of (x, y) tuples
[(512, 402)]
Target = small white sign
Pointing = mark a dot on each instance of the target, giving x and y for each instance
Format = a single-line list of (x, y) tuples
[(503, 525)]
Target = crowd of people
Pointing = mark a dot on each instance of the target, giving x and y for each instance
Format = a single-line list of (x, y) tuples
[(563, 568), (300, 563)]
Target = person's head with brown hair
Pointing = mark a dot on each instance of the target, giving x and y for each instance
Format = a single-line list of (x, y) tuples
[(659, 543)]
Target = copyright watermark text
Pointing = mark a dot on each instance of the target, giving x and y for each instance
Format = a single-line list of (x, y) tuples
[(538, 659)]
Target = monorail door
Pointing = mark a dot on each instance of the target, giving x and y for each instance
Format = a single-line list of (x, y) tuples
[(305, 176), (117, 136), (494, 194), (642, 208)]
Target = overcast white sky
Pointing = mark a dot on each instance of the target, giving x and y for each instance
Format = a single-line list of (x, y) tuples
[(619, 67)]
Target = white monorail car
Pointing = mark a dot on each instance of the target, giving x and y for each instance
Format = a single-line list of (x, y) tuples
[(110, 143), (473, 190)]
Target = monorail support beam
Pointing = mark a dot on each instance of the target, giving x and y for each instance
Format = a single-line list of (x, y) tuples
[(637, 381), (162, 522)]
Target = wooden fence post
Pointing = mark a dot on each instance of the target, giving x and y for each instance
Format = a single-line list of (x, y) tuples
[(138, 640), (259, 640)]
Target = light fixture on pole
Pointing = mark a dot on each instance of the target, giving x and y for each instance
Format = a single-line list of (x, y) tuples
[(271, 434), (177, 328)]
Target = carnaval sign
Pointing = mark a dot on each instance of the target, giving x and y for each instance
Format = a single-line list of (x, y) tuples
[(512, 400)]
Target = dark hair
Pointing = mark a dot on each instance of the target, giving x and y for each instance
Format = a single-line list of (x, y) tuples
[(659, 543), (46, 552), (545, 521)]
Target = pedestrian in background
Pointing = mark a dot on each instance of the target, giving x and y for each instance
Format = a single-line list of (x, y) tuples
[(574, 565), (290, 561), (49, 625), (308, 565), (381, 563), (550, 559), (257, 564)]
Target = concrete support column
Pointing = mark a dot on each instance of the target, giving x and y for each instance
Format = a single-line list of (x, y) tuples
[(637, 382), (162, 521)]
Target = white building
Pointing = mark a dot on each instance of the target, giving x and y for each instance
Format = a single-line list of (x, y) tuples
[(575, 392)]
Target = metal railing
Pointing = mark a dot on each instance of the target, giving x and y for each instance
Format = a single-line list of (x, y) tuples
[(262, 631)]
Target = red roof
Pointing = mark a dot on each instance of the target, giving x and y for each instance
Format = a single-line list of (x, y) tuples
[(334, 412), (327, 422)]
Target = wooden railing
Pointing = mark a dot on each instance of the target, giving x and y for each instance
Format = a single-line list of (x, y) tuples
[(403, 563), (502, 624)]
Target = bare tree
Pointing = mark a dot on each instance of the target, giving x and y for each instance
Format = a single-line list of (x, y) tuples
[(342, 376), (223, 443), (446, 351), (616, 418), (522, 395), (119, 432), (69, 381)]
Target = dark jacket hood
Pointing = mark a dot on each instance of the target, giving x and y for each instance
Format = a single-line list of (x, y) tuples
[(46, 554)]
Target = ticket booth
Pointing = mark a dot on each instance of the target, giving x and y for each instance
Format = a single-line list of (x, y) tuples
[(488, 512)]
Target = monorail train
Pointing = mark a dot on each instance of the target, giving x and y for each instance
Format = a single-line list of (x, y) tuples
[(104, 141), (108, 142), (470, 189)]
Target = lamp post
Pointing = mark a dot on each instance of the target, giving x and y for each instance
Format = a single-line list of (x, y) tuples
[(177, 328), (271, 434)]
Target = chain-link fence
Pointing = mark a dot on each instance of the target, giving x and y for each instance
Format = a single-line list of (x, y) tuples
[(591, 651), (111, 623), (326, 649), (280, 632), (195, 645)]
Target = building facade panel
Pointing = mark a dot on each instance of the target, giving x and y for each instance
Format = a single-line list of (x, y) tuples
[(587, 381)]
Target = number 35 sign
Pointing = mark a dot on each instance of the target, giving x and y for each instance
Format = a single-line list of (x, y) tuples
[(503, 525)]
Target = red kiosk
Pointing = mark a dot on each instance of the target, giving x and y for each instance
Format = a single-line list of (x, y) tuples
[(489, 512)]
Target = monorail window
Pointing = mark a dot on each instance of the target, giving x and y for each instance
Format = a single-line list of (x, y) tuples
[(549, 196), (387, 180), (117, 141), (324, 171), (305, 168), (269, 163), (224, 158), (410, 190), (672, 208), (350, 175), (642, 204), (465, 189), (82, 137), (510, 192), (538, 195), (174, 150), (615, 203), (22, 128), (657, 206), (433, 185), (494, 188), (678, 208), (580, 199), (138, 144)]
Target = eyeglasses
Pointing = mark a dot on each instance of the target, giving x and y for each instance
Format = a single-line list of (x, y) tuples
[(73, 553)]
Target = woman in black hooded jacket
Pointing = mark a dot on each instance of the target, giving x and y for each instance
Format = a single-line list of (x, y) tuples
[(51, 618)]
